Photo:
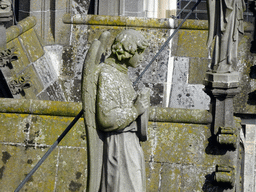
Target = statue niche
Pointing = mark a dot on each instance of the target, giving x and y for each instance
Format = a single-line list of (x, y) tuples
[(112, 114)]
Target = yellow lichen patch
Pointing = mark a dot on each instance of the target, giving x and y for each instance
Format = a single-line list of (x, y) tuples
[(32, 45), (19, 161), (177, 154), (178, 143), (11, 33), (194, 24), (192, 43), (13, 127), (72, 169), (119, 21), (27, 23), (46, 129), (16, 30)]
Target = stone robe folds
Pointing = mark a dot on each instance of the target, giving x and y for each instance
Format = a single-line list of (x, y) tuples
[(225, 23), (123, 159)]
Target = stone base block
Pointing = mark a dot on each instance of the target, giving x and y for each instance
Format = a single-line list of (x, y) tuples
[(222, 80)]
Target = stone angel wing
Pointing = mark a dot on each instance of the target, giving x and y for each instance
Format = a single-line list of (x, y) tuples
[(90, 74)]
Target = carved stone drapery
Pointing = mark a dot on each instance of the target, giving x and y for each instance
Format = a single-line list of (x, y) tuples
[(225, 25)]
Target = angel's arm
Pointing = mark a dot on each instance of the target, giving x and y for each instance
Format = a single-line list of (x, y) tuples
[(111, 114)]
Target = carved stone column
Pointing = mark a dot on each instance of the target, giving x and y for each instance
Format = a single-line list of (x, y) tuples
[(222, 87)]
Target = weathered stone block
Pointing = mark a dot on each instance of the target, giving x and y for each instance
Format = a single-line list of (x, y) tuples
[(191, 43), (61, 32), (197, 69), (177, 143), (72, 169), (54, 54), (171, 177), (157, 73), (73, 56), (153, 170), (157, 93), (72, 89), (78, 6), (32, 45), (184, 95), (54, 92), (43, 125), (45, 70), (194, 178), (14, 127), (17, 162), (180, 70), (189, 97)]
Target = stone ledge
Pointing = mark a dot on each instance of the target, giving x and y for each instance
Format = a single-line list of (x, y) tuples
[(23, 26), (167, 23), (118, 21), (40, 107), (71, 109), (175, 115)]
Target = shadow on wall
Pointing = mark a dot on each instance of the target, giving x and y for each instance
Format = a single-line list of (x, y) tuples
[(253, 43), (252, 95)]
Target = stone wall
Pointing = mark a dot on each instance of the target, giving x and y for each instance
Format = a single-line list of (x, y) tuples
[(175, 78), (177, 75), (179, 143), (177, 152), (49, 15), (191, 60), (88, 27), (33, 71), (168, 75)]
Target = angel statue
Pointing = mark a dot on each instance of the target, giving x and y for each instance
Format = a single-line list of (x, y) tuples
[(115, 115), (225, 24)]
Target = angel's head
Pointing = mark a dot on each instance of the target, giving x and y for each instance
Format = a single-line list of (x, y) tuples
[(129, 45)]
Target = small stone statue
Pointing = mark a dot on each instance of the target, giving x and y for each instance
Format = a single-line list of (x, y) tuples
[(225, 23), (116, 160)]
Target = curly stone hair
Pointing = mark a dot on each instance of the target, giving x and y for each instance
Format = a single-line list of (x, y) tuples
[(127, 43)]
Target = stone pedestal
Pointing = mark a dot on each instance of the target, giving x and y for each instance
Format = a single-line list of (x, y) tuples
[(222, 87)]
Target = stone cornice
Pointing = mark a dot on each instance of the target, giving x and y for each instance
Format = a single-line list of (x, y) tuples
[(23, 26), (71, 109), (122, 21)]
